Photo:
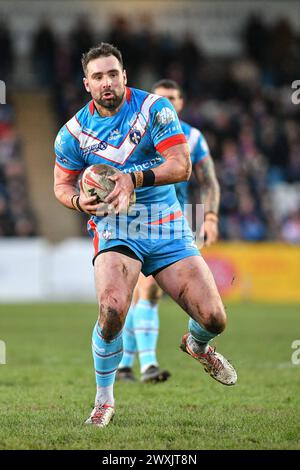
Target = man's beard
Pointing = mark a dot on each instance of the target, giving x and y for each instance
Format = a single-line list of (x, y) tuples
[(111, 103)]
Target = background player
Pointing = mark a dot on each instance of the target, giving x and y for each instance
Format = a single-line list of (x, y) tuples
[(142, 322), (150, 135)]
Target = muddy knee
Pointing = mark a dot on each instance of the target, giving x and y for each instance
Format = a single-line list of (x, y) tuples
[(112, 314), (214, 320)]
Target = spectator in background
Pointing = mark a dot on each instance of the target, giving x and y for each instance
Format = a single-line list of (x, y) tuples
[(282, 51), (290, 231), (251, 224), (44, 53), (148, 47), (63, 61), (121, 35), (6, 225), (293, 164), (256, 38), (275, 146), (16, 216), (7, 51), (81, 39), (292, 130)]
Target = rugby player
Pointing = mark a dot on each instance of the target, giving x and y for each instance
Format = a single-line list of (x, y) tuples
[(139, 133), (142, 321)]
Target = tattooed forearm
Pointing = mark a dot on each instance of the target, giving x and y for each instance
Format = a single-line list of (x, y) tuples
[(64, 194), (209, 186)]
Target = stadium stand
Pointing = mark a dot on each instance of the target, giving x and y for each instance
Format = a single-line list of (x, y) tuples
[(37, 135), (17, 217), (242, 104)]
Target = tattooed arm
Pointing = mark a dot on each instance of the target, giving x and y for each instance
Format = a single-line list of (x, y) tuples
[(210, 197)]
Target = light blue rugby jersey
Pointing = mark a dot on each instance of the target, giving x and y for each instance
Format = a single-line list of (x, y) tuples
[(131, 140), (199, 151)]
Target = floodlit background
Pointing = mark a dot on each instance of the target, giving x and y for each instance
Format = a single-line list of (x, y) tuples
[(239, 64)]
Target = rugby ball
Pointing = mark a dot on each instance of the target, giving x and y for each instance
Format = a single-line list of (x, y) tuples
[(95, 182)]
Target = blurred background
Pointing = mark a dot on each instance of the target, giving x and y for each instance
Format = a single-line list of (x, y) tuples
[(236, 61)]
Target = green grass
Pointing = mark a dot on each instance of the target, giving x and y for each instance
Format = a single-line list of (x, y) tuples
[(47, 385)]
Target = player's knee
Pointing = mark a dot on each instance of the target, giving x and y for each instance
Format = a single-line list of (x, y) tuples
[(110, 321), (214, 319), (112, 313)]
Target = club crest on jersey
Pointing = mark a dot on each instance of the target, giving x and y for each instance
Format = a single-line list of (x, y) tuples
[(93, 148), (106, 234), (135, 136), (114, 135)]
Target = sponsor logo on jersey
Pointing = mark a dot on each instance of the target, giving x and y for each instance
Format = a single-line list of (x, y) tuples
[(59, 142), (144, 166), (165, 116), (89, 131), (135, 136), (102, 145), (175, 128), (114, 135), (62, 159)]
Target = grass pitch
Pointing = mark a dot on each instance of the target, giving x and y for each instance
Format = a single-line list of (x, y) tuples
[(47, 385)]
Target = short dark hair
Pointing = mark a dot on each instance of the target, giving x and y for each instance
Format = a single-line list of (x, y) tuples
[(168, 84), (102, 50)]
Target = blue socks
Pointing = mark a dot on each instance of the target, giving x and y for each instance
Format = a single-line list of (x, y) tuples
[(107, 356), (141, 334), (146, 327), (199, 333), (129, 342)]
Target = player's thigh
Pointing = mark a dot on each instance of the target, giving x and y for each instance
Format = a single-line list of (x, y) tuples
[(148, 289), (191, 284), (115, 278)]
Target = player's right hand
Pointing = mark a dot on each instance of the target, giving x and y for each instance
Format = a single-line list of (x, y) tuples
[(120, 196), (89, 205)]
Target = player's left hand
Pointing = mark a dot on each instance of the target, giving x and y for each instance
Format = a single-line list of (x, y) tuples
[(119, 198), (211, 232)]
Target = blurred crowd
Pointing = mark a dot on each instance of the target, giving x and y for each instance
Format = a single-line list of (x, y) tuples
[(16, 214), (242, 105)]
